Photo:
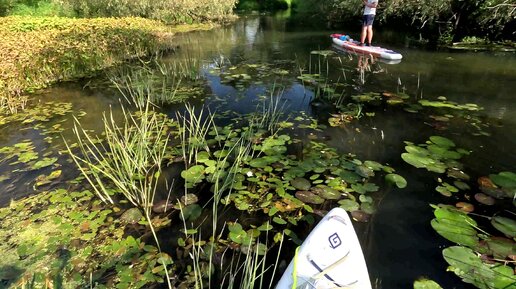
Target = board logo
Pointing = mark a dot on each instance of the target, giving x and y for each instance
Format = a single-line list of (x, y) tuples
[(334, 240)]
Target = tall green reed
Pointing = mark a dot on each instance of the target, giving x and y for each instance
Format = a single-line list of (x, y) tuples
[(156, 81), (129, 158)]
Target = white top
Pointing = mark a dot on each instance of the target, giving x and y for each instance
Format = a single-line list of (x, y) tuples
[(368, 10)]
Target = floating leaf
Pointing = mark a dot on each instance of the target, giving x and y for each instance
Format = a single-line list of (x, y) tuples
[(426, 284), (504, 225), (349, 205), (45, 162), (466, 264), (442, 141), (396, 179)]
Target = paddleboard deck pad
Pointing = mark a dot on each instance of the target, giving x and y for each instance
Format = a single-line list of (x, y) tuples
[(330, 257), (351, 45)]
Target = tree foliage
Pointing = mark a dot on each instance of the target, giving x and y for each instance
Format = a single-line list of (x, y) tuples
[(171, 11), (458, 18)]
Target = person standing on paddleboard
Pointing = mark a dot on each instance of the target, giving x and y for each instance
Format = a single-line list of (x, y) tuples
[(367, 21)]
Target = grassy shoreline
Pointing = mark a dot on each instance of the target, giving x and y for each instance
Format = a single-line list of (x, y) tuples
[(39, 51)]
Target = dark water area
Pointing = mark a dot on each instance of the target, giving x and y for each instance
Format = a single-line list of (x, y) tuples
[(399, 244)]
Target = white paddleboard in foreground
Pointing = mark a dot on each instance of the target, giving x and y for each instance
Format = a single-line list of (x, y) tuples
[(330, 257)]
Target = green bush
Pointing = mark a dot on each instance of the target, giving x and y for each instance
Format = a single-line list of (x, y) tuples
[(170, 11)]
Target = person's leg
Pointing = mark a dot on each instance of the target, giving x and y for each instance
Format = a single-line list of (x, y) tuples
[(369, 34), (364, 29), (363, 35), (370, 20)]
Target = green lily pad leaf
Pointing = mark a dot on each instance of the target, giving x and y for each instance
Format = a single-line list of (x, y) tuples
[(426, 284), (327, 193), (423, 161), (396, 179), (364, 171), (504, 225), (504, 179), (375, 166), (131, 216), (455, 226), (279, 220), (413, 149), (191, 212), (203, 156), (193, 174), (442, 141), (500, 248), (45, 162), (43, 179), (466, 264), (367, 208), (259, 162), (235, 227), (365, 199), (443, 153), (461, 185), (309, 197), (349, 205), (349, 177), (301, 184)]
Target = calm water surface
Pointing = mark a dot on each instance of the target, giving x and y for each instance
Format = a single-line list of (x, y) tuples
[(399, 244)]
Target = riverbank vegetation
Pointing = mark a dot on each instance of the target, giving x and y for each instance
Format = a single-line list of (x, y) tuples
[(444, 20), (42, 44), (38, 51)]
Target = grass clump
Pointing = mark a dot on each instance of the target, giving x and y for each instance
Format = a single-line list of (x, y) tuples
[(130, 159)]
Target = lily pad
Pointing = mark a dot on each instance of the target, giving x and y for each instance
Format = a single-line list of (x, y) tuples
[(396, 179), (504, 225), (131, 216), (309, 197), (193, 174), (327, 193), (442, 141), (466, 264), (426, 284), (504, 179), (301, 184), (455, 226), (349, 205), (484, 199)]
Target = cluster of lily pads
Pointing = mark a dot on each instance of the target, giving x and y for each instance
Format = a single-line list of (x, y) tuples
[(71, 239), (482, 257), (243, 74), (29, 156), (441, 113), (88, 242)]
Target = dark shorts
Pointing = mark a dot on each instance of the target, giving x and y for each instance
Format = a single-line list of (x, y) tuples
[(367, 20)]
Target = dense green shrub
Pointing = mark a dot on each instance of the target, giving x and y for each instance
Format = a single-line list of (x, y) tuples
[(269, 5), (457, 18), (37, 51), (171, 11)]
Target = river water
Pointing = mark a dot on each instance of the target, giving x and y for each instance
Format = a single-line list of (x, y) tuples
[(398, 242)]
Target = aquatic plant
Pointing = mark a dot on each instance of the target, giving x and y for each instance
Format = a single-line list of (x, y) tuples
[(157, 82), (69, 239), (482, 259), (426, 284), (129, 158), (31, 51)]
